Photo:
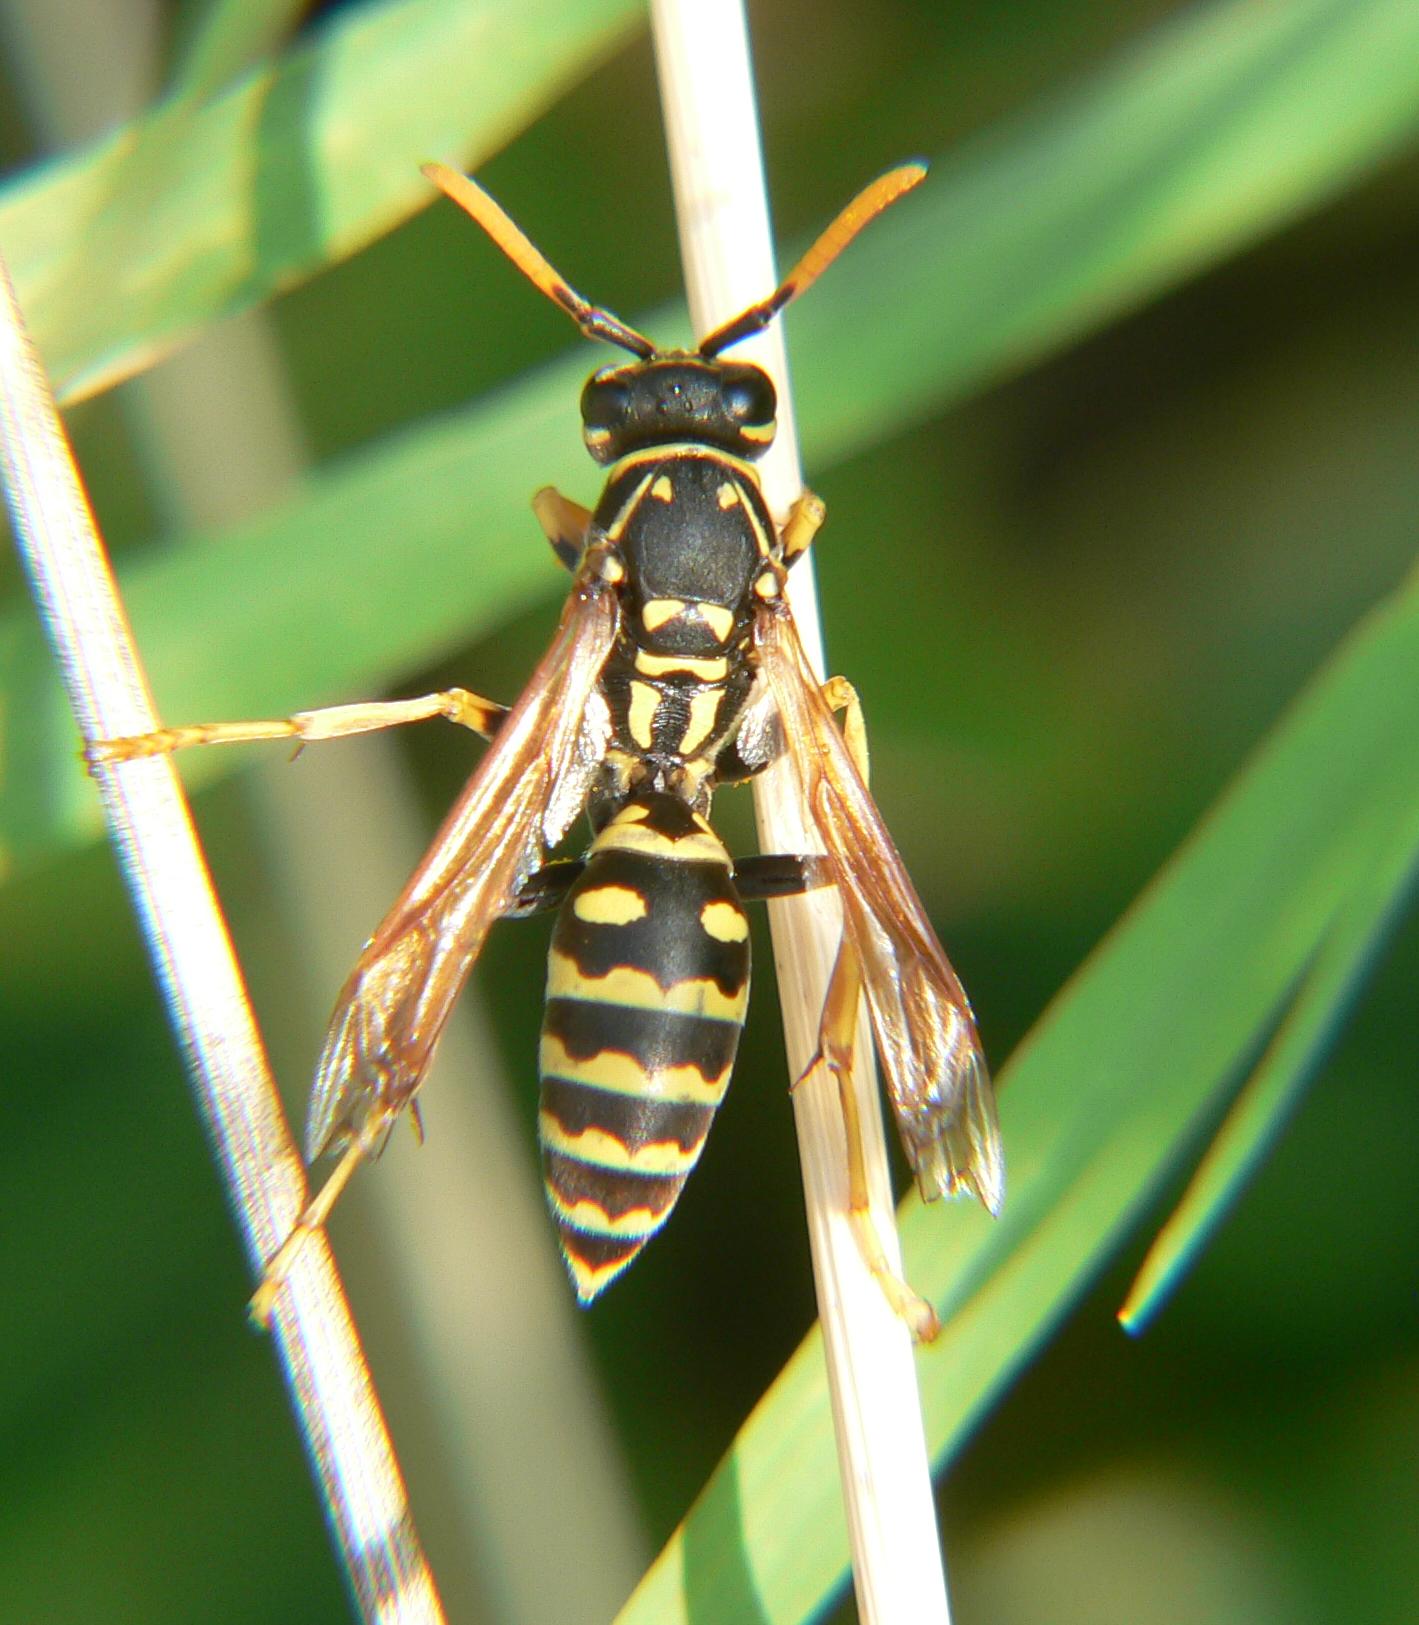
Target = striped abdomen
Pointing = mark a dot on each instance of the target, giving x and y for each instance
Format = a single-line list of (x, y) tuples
[(647, 984)]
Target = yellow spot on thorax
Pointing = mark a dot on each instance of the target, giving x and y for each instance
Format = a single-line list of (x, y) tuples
[(704, 713), (713, 669), (661, 489), (658, 611), (719, 619), (645, 700)]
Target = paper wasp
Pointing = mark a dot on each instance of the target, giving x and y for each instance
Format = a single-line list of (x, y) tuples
[(676, 668)]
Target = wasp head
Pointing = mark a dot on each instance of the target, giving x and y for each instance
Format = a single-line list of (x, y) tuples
[(678, 397)]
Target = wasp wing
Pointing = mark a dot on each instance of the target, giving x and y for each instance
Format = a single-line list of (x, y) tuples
[(522, 798), (935, 1071)]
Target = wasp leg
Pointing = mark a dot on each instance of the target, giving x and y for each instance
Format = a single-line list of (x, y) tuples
[(766, 874), (367, 1143), (547, 889), (842, 696), (779, 874), (565, 523), (837, 1041), (805, 519), (468, 710)]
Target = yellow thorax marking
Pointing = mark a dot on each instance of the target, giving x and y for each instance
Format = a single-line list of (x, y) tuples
[(659, 611), (645, 700), (704, 714), (719, 619), (616, 529), (677, 449), (709, 669)]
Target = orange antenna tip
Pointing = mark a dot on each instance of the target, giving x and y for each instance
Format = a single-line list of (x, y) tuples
[(595, 322), (865, 207)]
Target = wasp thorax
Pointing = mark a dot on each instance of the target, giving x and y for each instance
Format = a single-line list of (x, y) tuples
[(678, 397)]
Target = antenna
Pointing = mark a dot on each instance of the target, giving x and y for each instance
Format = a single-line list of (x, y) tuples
[(865, 207), (593, 321)]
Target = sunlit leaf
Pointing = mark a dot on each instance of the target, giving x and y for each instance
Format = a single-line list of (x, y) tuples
[(1122, 1072), (1344, 957), (225, 37), (1226, 123), (120, 249)]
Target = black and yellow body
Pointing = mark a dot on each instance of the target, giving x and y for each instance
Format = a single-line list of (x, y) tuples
[(676, 667), (692, 534), (647, 984), (648, 976)]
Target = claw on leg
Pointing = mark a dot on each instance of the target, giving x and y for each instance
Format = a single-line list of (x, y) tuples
[(458, 705), (312, 1221), (837, 1036)]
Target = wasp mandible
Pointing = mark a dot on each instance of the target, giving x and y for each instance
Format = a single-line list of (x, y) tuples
[(676, 668)]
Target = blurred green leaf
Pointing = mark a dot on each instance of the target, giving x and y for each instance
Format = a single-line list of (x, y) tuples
[(1121, 1073), (1223, 124), (225, 37), (193, 213), (1216, 128), (1342, 961)]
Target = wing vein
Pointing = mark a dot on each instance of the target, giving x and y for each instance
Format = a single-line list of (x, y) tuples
[(931, 1055)]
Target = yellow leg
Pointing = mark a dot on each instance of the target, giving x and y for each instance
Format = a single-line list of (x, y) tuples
[(564, 522), (805, 519), (468, 710), (842, 696), (837, 1041), (371, 1136)]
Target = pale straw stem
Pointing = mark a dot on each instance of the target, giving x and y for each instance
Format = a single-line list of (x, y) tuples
[(717, 168), (325, 1369)]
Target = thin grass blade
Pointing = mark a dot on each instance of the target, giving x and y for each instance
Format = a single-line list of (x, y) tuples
[(1120, 1076), (128, 244), (1015, 246), (1262, 1109)]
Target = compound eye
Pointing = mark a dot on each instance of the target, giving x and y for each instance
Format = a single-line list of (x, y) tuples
[(606, 401), (749, 397)]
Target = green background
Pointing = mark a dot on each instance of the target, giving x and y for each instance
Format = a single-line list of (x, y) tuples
[(1075, 586)]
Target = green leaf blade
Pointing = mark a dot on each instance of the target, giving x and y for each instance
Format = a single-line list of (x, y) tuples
[(1017, 246), (119, 250), (1120, 1073), (1261, 1110)]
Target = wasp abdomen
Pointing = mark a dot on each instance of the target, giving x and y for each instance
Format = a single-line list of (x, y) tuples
[(647, 983)]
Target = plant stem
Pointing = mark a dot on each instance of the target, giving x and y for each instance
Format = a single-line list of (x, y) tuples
[(330, 1384), (712, 126)]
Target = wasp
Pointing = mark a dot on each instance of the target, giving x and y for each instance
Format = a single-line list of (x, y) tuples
[(676, 668)]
